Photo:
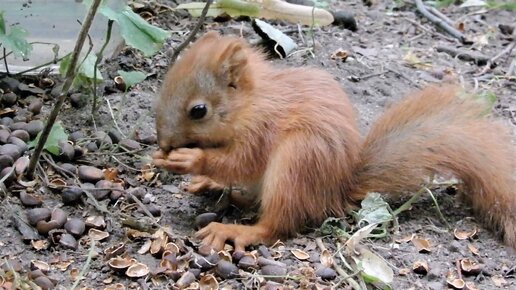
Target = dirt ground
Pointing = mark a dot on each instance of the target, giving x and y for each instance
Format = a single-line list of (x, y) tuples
[(392, 52)]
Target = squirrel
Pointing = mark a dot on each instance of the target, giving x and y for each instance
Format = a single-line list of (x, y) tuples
[(228, 116)]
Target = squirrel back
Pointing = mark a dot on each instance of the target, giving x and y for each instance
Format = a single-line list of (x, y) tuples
[(436, 130)]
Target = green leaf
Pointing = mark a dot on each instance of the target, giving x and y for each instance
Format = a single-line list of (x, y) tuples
[(15, 40), (374, 210), (52, 145), (232, 7), (136, 32), (131, 77), (85, 73)]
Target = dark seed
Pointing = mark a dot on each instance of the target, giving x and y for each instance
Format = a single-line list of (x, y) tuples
[(226, 269), (204, 263), (79, 151), (76, 136), (186, 279), (11, 150), (44, 227), (148, 140), (275, 272), (68, 241), (34, 127), (44, 282), (247, 262), (264, 252), (6, 121), (92, 147), (9, 99), (22, 134), (130, 145), (37, 214), (69, 167), (18, 142), (5, 161), (326, 273), (60, 216), (35, 106), (204, 219), (75, 226), (9, 84), (66, 151), (344, 19), (30, 199), (5, 171), (102, 138), (89, 173), (35, 274), (101, 194), (115, 136), (21, 117), (21, 164), (266, 262), (18, 126), (4, 135), (78, 100), (71, 195)]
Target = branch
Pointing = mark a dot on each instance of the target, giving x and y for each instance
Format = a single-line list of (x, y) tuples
[(192, 34), (477, 58), (70, 75), (441, 23)]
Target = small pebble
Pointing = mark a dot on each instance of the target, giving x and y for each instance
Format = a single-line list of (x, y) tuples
[(226, 269)]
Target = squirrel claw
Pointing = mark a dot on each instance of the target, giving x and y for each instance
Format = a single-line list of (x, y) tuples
[(215, 235), (201, 183)]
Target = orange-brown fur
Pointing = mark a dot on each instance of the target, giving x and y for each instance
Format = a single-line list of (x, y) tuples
[(290, 134)]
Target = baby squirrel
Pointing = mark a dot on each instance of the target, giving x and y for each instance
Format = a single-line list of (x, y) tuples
[(289, 134)]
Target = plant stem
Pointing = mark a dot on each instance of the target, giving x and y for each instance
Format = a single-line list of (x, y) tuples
[(192, 33), (39, 66), (5, 62), (99, 57), (70, 75)]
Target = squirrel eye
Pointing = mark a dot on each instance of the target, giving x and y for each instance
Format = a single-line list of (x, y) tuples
[(198, 112)]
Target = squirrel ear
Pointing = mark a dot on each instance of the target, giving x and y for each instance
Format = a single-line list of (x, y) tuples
[(233, 62)]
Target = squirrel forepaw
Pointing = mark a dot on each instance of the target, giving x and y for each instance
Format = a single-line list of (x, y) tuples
[(182, 161), (215, 235), (201, 183)]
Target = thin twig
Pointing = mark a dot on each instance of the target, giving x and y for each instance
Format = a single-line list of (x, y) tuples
[(86, 266), (440, 22), (97, 61), (54, 61), (439, 14), (345, 276), (5, 62), (70, 75), (192, 34), (492, 61), (477, 58)]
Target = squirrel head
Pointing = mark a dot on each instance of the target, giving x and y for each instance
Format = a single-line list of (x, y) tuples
[(201, 93)]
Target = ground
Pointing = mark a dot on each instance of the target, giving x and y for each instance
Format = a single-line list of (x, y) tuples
[(392, 53)]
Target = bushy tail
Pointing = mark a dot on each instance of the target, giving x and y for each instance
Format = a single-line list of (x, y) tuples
[(439, 129)]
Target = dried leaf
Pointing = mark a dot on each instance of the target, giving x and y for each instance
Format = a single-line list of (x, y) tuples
[(374, 268), (145, 247), (301, 255), (422, 245)]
